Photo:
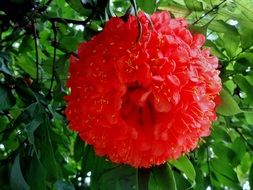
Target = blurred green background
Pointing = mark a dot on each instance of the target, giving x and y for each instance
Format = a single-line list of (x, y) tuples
[(38, 151)]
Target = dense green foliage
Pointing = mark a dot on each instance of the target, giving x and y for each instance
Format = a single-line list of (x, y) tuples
[(38, 151)]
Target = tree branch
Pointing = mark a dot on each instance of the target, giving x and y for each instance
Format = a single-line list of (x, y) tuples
[(208, 12), (71, 21), (67, 21), (54, 57), (35, 36)]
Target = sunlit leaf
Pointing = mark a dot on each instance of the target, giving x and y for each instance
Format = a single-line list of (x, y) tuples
[(246, 37), (27, 64), (194, 5), (223, 27), (231, 44), (177, 11)]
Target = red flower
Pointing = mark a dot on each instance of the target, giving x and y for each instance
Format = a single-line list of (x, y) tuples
[(147, 102)]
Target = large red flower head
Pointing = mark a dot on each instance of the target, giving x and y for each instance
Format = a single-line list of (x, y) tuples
[(142, 103)]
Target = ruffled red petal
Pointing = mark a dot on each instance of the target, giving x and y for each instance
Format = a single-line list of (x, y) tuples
[(143, 103)]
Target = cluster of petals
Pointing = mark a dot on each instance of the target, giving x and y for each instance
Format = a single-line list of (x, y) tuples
[(143, 103)]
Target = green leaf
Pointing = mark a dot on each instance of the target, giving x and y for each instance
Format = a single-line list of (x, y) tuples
[(246, 163), (251, 177), (143, 176), (228, 105), (246, 7), (223, 152), (214, 49), (164, 177), (120, 177), (224, 169), (78, 7), (27, 64), (95, 26), (239, 147), (27, 44), (7, 100), (200, 182), (25, 93), (246, 36), (176, 10), (17, 180), (181, 181), (198, 29), (36, 112), (11, 142), (245, 86), (249, 117), (222, 27), (3, 122), (68, 44), (3, 66), (78, 148), (37, 174), (194, 5), (231, 44), (220, 133), (230, 86), (224, 181), (48, 159), (147, 5), (89, 159), (62, 66), (184, 165), (63, 185), (100, 166)]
